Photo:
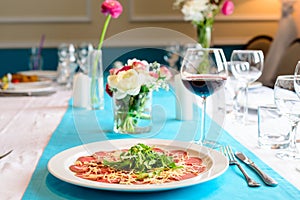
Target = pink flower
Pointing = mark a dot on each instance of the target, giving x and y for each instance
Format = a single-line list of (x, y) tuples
[(139, 66), (165, 72), (125, 68), (111, 7), (113, 71), (154, 75), (228, 7)]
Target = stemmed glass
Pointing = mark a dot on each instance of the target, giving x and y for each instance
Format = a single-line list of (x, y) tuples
[(297, 79), (172, 55), (82, 54), (203, 72), (297, 88), (288, 103), (247, 69), (67, 64)]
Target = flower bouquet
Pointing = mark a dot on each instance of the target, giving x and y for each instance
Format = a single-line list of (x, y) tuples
[(131, 87), (202, 14)]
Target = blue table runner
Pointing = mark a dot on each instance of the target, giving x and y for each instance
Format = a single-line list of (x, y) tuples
[(80, 126)]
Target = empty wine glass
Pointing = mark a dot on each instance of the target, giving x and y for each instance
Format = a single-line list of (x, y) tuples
[(288, 103), (248, 70), (82, 54), (297, 79), (297, 89), (203, 72), (232, 89), (67, 65)]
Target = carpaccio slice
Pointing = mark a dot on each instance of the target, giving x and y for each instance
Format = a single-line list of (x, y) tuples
[(91, 168)]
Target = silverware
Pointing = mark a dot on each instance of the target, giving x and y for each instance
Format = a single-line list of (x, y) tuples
[(267, 179), (227, 151), (6, 154)]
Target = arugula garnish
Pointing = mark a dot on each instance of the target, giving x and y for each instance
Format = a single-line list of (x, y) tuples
[(143, 160)]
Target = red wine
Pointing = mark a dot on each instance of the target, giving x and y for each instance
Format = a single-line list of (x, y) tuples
[(204, 85)]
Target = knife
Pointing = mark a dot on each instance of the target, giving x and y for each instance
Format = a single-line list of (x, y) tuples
[(6, 154), (267, 179)]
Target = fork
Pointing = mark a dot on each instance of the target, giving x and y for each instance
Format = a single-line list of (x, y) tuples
[(227, 151)]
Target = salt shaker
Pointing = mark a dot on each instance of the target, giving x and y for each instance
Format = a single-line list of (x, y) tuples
[(184, 100), (81, 89)]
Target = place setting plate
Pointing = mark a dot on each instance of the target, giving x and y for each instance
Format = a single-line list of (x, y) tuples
[(58, 165), (41, 87)]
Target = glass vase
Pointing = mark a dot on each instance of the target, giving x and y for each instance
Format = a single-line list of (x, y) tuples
[(133, 114), (204, 35), (95, 73)]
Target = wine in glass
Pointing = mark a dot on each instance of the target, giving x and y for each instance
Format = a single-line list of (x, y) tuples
[(288, 103), (203, 72), (248, 70)]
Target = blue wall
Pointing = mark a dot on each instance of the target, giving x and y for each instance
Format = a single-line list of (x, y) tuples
[(14, 60)]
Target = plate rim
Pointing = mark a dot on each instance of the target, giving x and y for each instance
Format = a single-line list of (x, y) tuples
[(57, 167)]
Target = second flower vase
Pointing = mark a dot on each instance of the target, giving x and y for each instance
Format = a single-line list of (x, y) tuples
[(204, 35)]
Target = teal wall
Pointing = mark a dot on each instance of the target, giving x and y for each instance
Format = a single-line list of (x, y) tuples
[(14, 60)]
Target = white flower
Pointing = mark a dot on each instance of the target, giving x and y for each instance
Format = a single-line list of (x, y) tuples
[(126, 83), (194, 10)]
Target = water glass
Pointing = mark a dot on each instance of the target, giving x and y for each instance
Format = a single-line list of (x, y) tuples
[(36, 59), (273, 128)]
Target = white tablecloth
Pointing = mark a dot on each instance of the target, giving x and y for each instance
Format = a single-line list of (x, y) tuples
[(27, 123)]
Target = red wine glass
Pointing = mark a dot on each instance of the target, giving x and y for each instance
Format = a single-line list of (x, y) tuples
[(203, 72)]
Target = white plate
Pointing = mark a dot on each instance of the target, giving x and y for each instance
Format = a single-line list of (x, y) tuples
[(38, 91), (58, 165), (50, 74), (43, 83)]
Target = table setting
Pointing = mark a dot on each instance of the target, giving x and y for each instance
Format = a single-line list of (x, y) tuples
[(81, 127), (145, 130), (89, 131)]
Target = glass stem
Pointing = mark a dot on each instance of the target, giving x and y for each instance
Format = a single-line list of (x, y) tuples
[(200, 139), (245, 117), (293, 134)]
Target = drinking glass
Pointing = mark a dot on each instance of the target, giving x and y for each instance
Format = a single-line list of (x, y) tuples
[(172, 55), (231, 90), (288, 104), (82, 54), (203, 72), (248, 70), (297, 79), (297, 89), (67, 65)]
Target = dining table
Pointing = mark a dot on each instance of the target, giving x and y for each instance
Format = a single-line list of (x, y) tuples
[(37, 128)]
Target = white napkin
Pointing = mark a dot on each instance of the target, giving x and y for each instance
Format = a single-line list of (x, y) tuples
[(81, 90), (184, 100)]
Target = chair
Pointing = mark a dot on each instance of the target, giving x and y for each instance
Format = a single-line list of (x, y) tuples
[(289, 60), (260, 42)]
